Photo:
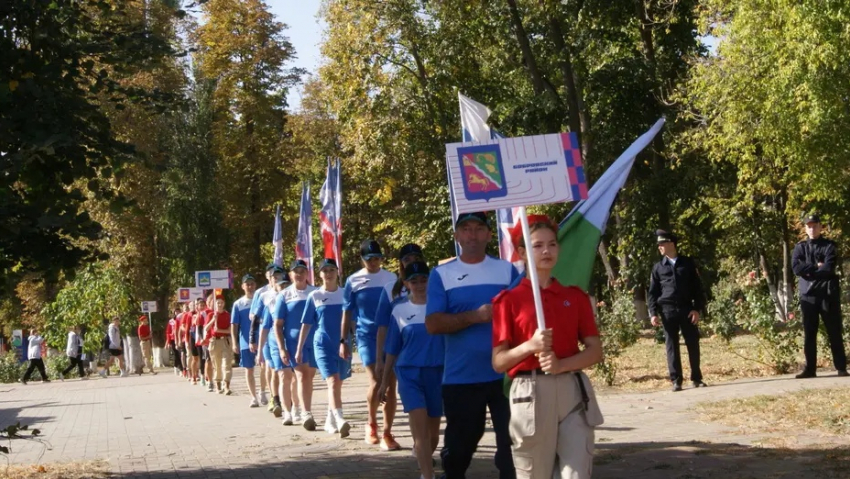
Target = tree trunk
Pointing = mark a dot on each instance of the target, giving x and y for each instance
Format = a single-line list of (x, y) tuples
[(133, 355), (771, 286)]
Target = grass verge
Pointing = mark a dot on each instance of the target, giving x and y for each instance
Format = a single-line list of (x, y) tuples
[(70, 470), (821, 409)]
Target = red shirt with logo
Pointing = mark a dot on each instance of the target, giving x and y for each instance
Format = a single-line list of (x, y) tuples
[(568, 314), (222, 324), (144, 331)]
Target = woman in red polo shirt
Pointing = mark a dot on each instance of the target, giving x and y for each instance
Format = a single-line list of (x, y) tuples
[(553, 408)]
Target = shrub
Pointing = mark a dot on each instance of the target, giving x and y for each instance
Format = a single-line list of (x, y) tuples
[(618, 328), (10, 369)]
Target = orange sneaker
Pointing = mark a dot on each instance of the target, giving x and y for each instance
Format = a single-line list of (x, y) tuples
[(372, 436), (388, 443)]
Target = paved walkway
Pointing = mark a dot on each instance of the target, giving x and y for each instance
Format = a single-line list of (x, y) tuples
[(160, 426)]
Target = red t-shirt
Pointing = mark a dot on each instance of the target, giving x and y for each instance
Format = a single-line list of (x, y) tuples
[(144, 331), (170, 330), (186, 322), (567, 311), (222, 324), (198, 324)]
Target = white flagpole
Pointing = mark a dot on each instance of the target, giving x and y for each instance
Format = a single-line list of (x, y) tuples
[(531, 269)]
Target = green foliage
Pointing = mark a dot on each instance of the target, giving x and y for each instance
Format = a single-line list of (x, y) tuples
[(62, 61), (618, 329), (56, 364), (96, 295), (742, 303), (11, 370)]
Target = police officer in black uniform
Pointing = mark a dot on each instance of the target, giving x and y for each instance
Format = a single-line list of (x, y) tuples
[(676, 298), (814, 261)]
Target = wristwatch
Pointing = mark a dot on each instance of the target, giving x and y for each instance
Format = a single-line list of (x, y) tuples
[(342, 341)]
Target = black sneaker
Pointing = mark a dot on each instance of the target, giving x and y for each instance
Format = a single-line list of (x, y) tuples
[(677, 387), (806, 374), (842, 373), (700, 384)]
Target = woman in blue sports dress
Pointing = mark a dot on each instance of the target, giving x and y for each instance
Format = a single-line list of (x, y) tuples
[(324, 310)]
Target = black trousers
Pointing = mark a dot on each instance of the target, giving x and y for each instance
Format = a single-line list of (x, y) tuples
[(676, 320), (178, 363), (827, 308), (466, 408), (75, 362), (36, 363)]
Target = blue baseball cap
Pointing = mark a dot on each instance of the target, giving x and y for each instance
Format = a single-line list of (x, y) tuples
[(248, 277), (328, 262), (271, 266), (408, 249), (298, 263), (283, 280), (476, 216), (416, 268), (370, 249)]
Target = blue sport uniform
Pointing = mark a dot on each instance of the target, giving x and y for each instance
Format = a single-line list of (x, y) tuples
[(289, 308), (271, 338), (456, 287), (362, 293), (265, 303), (324, 313), (419, 363), (240, 316)]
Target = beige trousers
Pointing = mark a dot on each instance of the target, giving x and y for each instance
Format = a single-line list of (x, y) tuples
[(222, 359), (549, 427), (147, 354)]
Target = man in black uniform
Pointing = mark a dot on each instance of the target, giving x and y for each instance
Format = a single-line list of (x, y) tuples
[(814, 261), (675, 294)]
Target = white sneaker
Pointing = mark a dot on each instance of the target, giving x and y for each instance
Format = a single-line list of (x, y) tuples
[(123, 374), (264, 400), (102, 373), (209, 388), (287, 418), (296, 417), (254, 403), (344, 429), (330, 425), (309, 423)]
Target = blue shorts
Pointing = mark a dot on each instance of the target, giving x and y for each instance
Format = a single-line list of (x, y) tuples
[(247, 359), (330, 364), (367, 347), (275, 361), (421, 388), (309, 356), (267, 354)]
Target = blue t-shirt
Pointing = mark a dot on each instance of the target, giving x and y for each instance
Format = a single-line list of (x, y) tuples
[(265, 300), (362, 293), (239, 315), (289, 308), (409, 340), (385, 304), (324, 312), (268, 321), (457, 287)]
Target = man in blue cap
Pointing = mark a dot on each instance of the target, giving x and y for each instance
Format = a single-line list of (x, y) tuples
[(240, 317), (459, 307)]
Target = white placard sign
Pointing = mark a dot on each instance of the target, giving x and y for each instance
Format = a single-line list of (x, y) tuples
[(184, 295), (148, 306), (509, 172), (218, 279)]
